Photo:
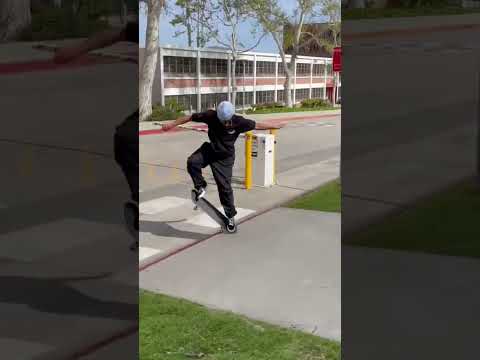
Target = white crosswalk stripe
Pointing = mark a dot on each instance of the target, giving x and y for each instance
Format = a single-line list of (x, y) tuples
[(146, 252), (162, 204), (169, 223), (24, 244)]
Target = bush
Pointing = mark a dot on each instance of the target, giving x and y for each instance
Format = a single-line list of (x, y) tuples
[(171, 111), (268, 106), (314, 103), (58, 23)]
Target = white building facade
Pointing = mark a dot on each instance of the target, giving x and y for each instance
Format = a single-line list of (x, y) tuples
[(199, 79)]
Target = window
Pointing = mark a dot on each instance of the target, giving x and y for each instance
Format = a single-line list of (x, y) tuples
[(329, 69), (265, 68), (188, 102), (214, 67), (280, 95), (318, 69), (281, 70), (265, 97), (248, 99), (303, 69), (210, 101), (318, 93), (240, 64), (179, 65), (301, 94)]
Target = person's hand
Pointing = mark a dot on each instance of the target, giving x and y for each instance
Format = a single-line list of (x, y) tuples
[(168, 127), (67, 54)]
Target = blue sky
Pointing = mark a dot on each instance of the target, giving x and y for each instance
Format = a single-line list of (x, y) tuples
[(167, 33)]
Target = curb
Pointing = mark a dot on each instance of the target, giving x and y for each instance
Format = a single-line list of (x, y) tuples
[(81, 350), (415, 31)]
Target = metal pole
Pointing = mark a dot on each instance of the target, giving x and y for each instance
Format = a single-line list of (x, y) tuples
[(248, 160), (243, 96), (478, 125), (274, 133)]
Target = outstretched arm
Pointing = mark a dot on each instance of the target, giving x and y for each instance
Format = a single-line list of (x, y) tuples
[(180, 121), (98, 41)]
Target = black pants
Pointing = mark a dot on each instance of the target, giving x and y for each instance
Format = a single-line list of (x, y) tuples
[(126, 151), (222, 172)]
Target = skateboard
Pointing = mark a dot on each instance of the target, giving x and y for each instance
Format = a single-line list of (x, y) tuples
[(213, 212), (130, 212)]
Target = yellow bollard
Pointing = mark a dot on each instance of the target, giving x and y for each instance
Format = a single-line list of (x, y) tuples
[(26, 163), (151, 173), (248, 160), (274, 133), (88, 172)]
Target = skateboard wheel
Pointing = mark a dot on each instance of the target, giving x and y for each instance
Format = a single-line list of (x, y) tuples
[(231, 229)]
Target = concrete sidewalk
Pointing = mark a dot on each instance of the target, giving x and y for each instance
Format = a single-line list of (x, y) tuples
[(409, 301), (282, 267)]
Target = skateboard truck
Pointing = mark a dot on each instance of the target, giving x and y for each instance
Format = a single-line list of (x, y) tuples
[(213, 212)]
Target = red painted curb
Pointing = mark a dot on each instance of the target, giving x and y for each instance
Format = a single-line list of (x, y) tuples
[(299, 118), (158, 131), (97, 346), (49, 65)]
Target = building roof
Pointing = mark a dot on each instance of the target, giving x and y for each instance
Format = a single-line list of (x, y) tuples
[(226, 51)]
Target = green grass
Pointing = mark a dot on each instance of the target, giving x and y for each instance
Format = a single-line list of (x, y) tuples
[(285, 109), (445, 224), (172, 329), (326, 198), (355, 14)]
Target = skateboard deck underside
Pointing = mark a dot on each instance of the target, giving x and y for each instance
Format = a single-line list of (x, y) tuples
[(211, 211)]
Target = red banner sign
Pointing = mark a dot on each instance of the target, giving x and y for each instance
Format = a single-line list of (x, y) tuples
[(337, 59)]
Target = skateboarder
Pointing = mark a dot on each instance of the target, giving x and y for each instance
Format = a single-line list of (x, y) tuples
[(224, 127), (126, 134)]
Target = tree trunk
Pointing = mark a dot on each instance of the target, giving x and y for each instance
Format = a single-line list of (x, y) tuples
[(147, 74), (288, 89), (123, 12), (188, 16), (15, 17), (234, 81)]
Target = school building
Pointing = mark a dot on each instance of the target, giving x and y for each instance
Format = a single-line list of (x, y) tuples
[(199, 79)]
